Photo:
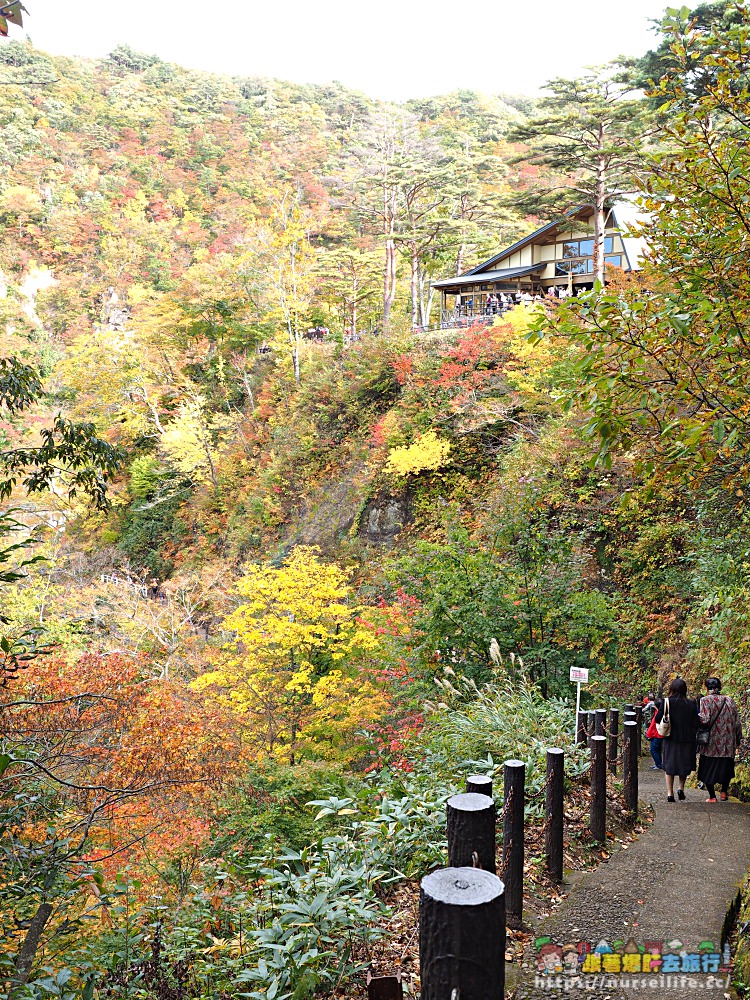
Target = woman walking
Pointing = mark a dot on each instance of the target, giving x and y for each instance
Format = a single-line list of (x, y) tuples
[(678, 748), (716, 765)]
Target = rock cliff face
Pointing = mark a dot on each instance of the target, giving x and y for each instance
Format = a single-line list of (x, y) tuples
[(341, 509), (383, 519), (329, 516)]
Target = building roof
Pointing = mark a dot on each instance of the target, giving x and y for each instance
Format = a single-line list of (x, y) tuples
[(562, 223), (504, 274), (625, 216)]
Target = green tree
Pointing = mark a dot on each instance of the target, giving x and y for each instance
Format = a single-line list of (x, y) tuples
[(348, 280), (11, 13), (522, 590), (696, 74), (588, 132), (666, 372), (70, 456)]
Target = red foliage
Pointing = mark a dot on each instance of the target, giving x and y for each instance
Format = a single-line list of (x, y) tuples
[(403, 366), (392, 740)]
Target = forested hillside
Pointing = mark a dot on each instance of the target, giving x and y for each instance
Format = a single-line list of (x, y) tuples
[(281, 561)]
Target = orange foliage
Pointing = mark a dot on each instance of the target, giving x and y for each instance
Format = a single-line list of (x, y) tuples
[(122, 729)]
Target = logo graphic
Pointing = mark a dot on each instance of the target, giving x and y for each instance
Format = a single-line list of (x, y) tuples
[(668, 963)]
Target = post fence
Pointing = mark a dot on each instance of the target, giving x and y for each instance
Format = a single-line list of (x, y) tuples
[(481, 784), (614, 719), (553, 830), (581, 734), (600, 723), (598, 813), (630, 766), (514, 776), (590, 725), (471, 831), (384, 987), (462, 935)]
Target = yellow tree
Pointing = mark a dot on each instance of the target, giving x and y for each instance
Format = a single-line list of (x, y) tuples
[(297, 635), (281, 267)]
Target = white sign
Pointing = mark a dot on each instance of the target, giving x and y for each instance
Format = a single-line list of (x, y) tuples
[(580, 674)]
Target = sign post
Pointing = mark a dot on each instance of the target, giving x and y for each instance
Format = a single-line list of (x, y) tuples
[(581, 676)]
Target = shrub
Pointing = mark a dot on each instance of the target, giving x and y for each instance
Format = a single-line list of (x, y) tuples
[(428, 453)]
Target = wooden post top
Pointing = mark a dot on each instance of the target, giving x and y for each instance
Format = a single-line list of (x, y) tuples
[(463, 886)]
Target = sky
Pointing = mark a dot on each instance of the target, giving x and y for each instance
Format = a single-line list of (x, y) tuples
[(389, 49)]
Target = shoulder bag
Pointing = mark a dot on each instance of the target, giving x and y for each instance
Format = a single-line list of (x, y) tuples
[(664, 728), (703, 733)]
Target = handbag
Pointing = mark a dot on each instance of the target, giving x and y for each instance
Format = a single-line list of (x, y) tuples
[(651, 733), (703, 733), (664, 728)]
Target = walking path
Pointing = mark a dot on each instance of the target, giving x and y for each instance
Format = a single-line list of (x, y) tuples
[(676, 882)]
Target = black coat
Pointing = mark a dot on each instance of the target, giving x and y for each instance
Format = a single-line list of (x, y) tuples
[(678, 749), (684, 715)]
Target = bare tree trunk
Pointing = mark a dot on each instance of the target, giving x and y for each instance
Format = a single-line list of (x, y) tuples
[(460, 258), (414, 260), (427, 311), (426, 295), (31, 943), (599, 197), (295, 361), (389, 294), (389, 230)]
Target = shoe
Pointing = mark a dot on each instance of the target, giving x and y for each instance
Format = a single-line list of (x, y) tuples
[(654, 768), (710, 800), (723, 796), (680, 795), (670, 798)]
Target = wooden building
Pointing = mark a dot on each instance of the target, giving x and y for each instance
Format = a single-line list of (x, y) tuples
[(558, 255)]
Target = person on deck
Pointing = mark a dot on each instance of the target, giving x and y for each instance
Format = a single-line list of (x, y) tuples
[(678, 748), (716, 765)]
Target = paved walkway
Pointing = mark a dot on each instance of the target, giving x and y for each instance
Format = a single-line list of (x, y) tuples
[(675, 882)]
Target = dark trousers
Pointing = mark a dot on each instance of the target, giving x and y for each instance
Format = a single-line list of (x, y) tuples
[(655, 748)]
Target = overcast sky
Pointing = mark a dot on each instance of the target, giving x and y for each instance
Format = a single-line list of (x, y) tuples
[(391, 49)]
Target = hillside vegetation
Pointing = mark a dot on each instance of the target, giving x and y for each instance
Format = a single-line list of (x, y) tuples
[(326, 576)]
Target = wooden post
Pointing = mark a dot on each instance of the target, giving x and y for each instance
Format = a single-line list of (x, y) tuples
[(514, 776), (598, 814), (639, 723), (614, 719), (479, 783), (462, 935), (384, 987), (629, 708), (581, 728), (553, 829), (630, 767), (600, 721), (590, 725), (471, 832)]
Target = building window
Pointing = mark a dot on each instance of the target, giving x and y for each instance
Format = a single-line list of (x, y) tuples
[(576, 256), (565, 267), (581, 248)]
